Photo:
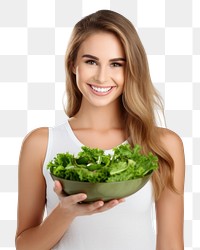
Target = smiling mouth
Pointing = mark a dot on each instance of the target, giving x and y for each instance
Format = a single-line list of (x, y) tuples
[(101, 89)]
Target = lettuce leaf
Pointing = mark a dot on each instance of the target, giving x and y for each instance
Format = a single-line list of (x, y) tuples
[(94, 165)]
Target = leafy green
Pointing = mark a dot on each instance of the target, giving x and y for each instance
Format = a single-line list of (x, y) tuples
[(94, 165)]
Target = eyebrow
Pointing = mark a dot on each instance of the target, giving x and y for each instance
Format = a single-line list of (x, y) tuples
[(97, 59)]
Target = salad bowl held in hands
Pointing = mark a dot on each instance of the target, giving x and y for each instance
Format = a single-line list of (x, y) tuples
[(103, 177), (104, 191)]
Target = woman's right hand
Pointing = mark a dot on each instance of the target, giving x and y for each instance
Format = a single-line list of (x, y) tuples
[(72, 204)]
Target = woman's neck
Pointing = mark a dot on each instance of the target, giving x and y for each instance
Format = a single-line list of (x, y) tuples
[(99, 118)]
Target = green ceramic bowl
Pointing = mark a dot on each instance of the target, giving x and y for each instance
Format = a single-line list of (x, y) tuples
[(103, 191)]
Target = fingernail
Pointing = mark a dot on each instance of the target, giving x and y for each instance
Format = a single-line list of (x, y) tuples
[(83, 196), (101, 203), (114, 203)]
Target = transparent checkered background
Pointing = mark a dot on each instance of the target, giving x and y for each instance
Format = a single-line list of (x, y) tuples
[(33, 39)]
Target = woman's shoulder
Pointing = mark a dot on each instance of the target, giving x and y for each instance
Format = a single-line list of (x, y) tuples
[(170, 140), (33, 149), (35, 142), (168, 136), (36, 135)]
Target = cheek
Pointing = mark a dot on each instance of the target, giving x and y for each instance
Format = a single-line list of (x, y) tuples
[(119, 77), (79, 75), (82, 77), (83, 73)]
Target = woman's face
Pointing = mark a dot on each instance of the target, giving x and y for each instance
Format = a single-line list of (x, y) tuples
[(99, 69)]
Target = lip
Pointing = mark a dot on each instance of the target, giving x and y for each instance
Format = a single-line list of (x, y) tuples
[(101, 93)]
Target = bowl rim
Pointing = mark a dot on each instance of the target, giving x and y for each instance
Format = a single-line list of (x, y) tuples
[(148, 176)]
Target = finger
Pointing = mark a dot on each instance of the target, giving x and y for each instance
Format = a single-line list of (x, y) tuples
[(90, 208), (110, 204), (77, 198), (58, 188), (121, 200), (95, 205), (101, 206)]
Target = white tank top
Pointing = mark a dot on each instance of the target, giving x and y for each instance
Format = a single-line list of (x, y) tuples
[(128, 226)]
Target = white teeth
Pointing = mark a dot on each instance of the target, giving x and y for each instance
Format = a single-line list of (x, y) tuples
[(101, 90)]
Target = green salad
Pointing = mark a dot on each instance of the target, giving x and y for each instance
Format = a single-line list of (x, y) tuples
[(93, 165)]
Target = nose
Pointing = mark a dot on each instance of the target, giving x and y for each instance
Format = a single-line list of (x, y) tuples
[(102, 74)]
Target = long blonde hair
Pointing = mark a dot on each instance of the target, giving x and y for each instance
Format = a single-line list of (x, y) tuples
[(139, 99)]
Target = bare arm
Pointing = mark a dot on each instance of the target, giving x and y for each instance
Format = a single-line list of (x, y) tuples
[(169, 208), (32, 231)]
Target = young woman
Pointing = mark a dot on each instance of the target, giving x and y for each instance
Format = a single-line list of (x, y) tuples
[(111, 100)]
